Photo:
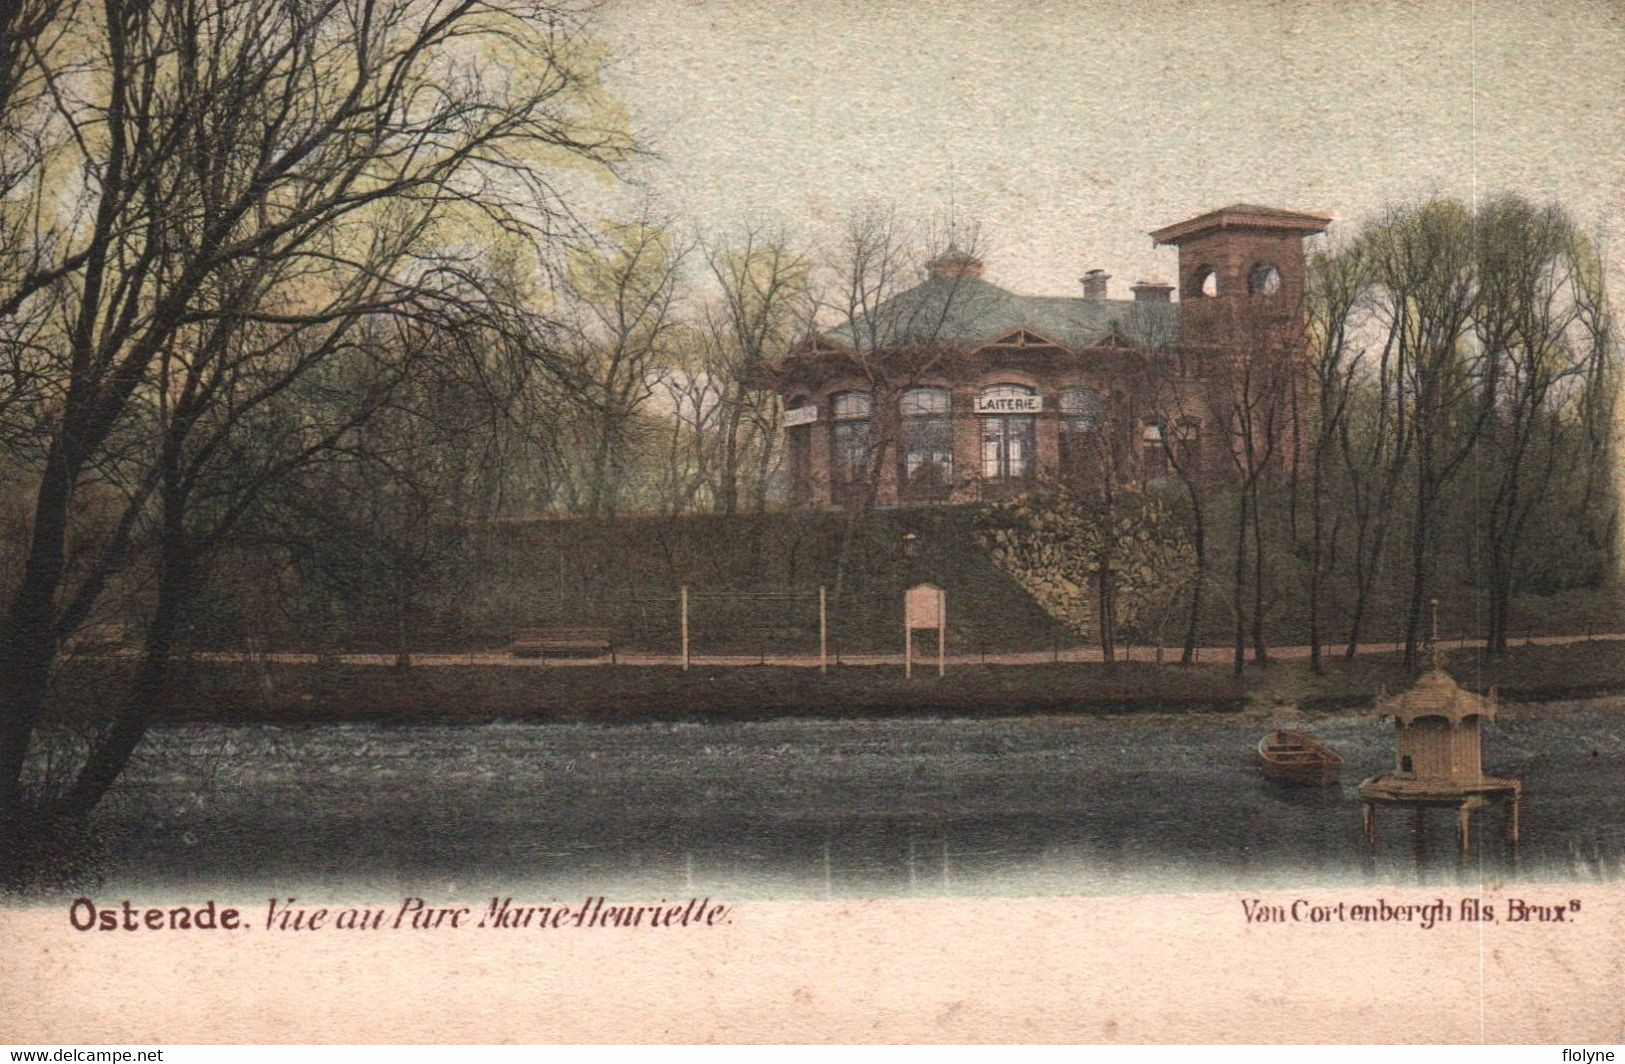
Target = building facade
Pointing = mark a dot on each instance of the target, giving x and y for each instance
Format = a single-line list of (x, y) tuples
[(958, 390)]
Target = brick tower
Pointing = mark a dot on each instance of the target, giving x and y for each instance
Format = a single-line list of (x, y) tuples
[(1235, 252), (1242, 275)]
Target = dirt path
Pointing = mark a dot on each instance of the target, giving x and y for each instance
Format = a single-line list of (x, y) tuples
[(1209, 654)]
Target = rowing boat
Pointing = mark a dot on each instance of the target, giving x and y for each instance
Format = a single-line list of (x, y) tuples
[(1298, 758)]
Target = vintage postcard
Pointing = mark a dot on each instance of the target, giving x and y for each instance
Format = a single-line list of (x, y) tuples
[(681, 521)]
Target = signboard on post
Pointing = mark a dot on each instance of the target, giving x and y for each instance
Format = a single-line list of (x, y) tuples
[(925, 606)]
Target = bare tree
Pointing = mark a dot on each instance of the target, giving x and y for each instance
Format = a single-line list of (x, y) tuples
[(692, 394), (1374, 441), (1447, 338), (624, 293), (763, 287), (255, 179), (1596, 509), (1255, 371), (1426, 281), (31, 256), (1538, 354), (1337, 281), (1108, 468), (1176, 397)]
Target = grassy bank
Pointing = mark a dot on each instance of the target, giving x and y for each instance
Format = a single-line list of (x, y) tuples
[(1525, 674), (311, 694), (754, 583)]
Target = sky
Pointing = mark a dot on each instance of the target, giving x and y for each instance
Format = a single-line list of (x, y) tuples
[(1069, 131)]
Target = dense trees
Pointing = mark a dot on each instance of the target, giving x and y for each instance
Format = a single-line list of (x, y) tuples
[(1533, 329), (761, 309), (1442, 340), (622, 297), (220, 212)]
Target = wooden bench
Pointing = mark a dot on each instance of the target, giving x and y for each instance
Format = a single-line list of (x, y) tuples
[(563, 642)]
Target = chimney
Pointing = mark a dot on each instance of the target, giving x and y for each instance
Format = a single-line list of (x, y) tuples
[(1094, 284), (1152, 292)]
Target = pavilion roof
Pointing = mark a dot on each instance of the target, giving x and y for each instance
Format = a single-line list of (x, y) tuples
[(1436, 694), (973, 312)]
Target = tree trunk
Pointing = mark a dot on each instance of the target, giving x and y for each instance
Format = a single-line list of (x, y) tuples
[(403, 646), (728, 483), (1260, 650), (1199, 544), (1420, 575), (1239, 590), (1108, 610), (149, 692), (28, 649), (1317, 548), (1495, 641), (1371, 527), (111, 752), (599, 492), (1503, 617), (1366, 569)]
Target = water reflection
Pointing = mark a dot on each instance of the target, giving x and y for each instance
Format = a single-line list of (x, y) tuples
[(829, 809)]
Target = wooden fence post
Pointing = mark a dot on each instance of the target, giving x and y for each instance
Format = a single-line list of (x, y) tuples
[(942, 633), (823, 632), (908, 648)]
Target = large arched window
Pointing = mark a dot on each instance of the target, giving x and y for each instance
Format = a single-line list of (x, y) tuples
[(1009, 431), (1207, 282), (854, 437), (1264, 280), (1080, 429), (928, 438)]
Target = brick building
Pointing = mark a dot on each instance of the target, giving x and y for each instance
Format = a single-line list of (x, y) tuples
[(958, 390)]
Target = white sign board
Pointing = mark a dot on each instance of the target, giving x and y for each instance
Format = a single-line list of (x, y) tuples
[(925, 606), (801, 415), (922, 606), (1009, 404)]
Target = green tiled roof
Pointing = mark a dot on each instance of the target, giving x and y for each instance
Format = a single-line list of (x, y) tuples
[(972, 311)]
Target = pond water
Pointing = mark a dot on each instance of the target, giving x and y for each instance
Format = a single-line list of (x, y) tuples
[(798, 808)]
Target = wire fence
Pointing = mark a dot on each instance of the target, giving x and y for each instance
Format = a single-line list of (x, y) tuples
[(801, 622), (795, 622), (984, 622)]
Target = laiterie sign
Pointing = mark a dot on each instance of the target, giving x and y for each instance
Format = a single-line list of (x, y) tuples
[(1009, 404), (801, 415)]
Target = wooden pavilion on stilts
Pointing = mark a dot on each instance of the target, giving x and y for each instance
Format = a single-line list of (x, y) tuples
[(1438, 755)]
